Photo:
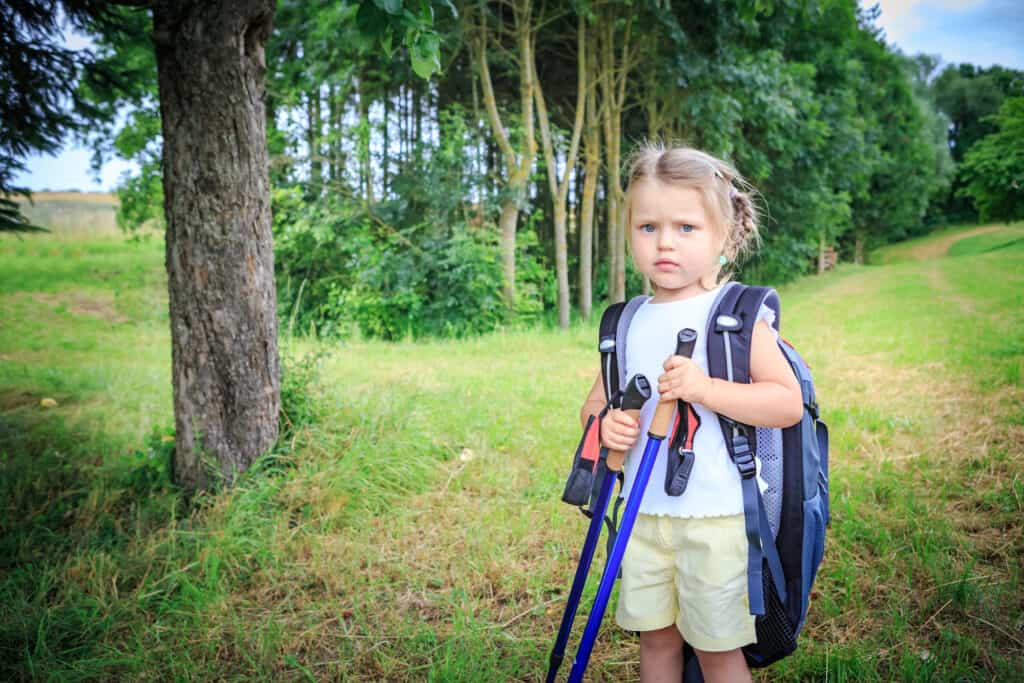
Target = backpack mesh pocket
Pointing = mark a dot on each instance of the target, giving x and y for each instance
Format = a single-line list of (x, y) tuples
[(776, 636)]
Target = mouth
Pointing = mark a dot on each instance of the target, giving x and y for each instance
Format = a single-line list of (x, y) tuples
[(665, 264)]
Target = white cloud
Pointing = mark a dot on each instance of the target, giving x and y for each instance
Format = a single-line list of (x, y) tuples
[(900, 18)]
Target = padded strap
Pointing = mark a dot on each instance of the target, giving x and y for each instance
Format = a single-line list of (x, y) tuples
[(606, 345), (621, 333)]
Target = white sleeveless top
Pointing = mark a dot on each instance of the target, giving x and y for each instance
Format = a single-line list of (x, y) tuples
[(714, 485)]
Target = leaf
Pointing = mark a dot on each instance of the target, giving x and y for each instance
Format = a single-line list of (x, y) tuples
[(425, 54), (370, 20), (389, 6)]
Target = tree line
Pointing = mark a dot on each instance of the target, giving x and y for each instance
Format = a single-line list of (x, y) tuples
[(410, 179)]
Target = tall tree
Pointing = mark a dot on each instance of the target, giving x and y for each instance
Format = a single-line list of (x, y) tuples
[(617, 56), (518, 159), (560, 186), (591, 169), (220, 257)]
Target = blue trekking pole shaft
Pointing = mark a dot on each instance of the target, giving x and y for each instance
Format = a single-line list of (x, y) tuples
[(636, 394), (586, 556), (660, 424), (604, 590)]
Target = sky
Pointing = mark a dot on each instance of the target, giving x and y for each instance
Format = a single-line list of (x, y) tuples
[(981, 32)]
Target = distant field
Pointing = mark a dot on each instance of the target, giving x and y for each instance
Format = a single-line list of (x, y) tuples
[(77, 214)]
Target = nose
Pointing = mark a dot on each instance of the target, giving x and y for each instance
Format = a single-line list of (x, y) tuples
[(665, 239)]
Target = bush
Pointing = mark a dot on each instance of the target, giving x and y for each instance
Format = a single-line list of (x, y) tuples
[(423, 263)]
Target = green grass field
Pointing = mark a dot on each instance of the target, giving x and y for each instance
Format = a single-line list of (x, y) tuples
[(413, 531)]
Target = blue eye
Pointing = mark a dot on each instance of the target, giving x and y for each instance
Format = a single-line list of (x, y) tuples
[(686, 227), (647, 227)]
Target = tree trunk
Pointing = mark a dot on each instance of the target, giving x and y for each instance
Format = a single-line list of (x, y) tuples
[(518, 163), (559, 188), (858, 250), (607, 62), (364, 141), (219, 247), (386, 161), (507, 223), (315, 165), (821, 252), (615, 73), (333, 162), (591, 167)]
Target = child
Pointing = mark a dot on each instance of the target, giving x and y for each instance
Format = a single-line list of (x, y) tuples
[(684, 570)]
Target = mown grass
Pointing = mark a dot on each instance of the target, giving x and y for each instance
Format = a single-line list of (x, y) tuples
[(410, 527)]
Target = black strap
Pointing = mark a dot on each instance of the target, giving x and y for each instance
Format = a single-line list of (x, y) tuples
[(680, 456), (607, 345)]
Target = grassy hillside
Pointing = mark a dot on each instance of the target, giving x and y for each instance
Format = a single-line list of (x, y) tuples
[(412, 530)]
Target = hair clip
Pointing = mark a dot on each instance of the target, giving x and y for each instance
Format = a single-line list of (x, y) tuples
[(733, 193)]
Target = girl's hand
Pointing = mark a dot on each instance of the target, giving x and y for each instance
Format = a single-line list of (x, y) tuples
[(683, 379), (619, 431)]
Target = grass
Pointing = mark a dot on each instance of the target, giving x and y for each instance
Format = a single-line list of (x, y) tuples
[(411, 530)]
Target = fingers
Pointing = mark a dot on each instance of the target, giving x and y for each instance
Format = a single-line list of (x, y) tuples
[(619, 431), (673, 362)]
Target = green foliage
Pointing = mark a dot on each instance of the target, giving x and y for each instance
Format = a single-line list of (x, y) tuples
[(969, 96), (418, 264), (382, 182), (300, 391), (445, 286), (381, 21), (993, 168), (148, 470)]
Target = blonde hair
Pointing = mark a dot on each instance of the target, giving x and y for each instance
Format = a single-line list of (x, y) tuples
[(731, 202)]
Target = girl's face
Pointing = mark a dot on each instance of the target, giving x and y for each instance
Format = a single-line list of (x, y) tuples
[(673, 239)]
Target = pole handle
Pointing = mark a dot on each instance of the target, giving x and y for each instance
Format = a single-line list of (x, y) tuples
[(633, 398), (662, 421)]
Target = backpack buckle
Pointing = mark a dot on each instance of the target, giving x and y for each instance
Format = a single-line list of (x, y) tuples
[(743, 456), (812, 407)]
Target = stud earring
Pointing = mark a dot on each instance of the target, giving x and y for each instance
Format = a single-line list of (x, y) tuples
[(722, 260)]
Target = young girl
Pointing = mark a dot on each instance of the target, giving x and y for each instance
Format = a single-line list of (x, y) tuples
[(684, 571)]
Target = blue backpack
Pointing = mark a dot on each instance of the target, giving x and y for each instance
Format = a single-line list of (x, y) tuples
[(786, 524)]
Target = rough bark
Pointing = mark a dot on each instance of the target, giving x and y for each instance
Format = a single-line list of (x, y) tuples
[(219, 248)]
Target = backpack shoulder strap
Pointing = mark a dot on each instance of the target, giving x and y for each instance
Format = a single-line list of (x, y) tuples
[(731, 329), (729, 335), (612, 343), (606, 345)]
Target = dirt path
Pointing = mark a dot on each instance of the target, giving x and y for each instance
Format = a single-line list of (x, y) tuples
[(937, 248)]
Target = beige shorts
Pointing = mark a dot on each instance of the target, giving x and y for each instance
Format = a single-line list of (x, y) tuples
[(689, 572)]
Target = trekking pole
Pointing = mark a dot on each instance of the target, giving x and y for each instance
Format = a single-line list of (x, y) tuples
[(636, 394), (660, 424)]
